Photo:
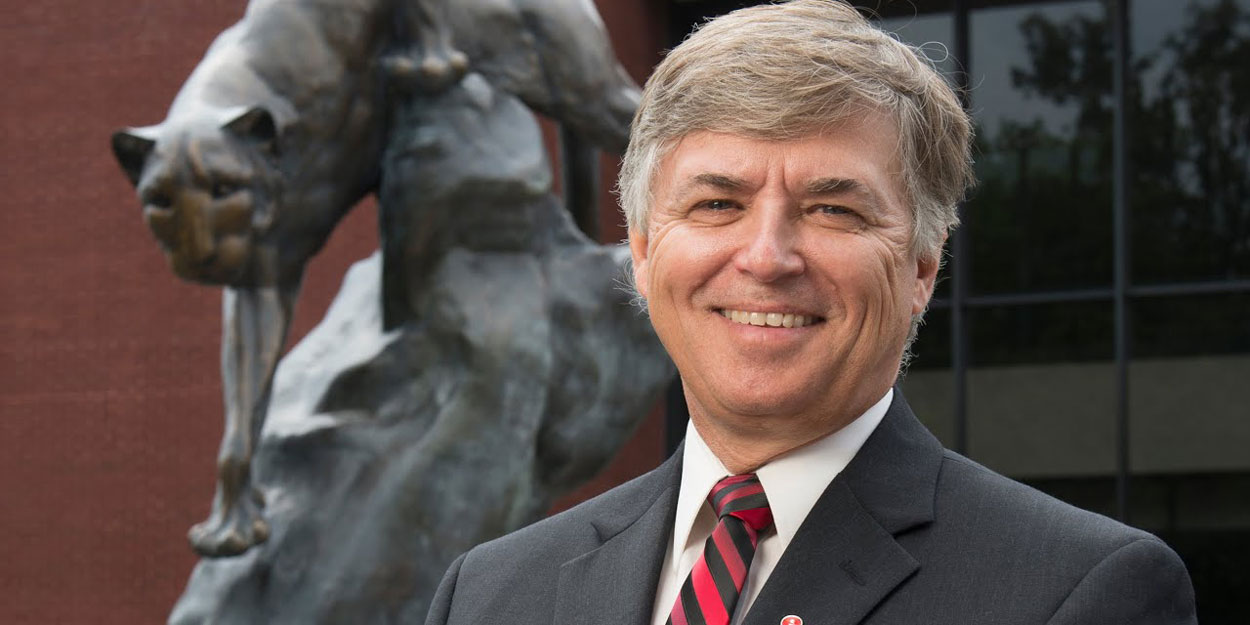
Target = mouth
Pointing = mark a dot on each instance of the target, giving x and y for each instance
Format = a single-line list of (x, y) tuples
[(769, 319), (224, 263)]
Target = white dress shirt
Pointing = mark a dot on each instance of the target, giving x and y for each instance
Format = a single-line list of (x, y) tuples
[(793, 482)]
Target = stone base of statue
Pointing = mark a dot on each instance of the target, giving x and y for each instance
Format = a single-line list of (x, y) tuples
[(387, 454)]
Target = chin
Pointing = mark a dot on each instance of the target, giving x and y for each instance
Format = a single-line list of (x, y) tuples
[(209, 273), (770, 406)]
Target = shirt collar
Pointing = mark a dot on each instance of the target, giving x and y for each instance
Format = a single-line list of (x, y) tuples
[(793, 481)]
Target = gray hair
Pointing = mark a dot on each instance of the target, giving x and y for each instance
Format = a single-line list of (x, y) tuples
[(786, 71)]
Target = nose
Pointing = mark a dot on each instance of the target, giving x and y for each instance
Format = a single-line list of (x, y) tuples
[(770, 252), (178, 219)]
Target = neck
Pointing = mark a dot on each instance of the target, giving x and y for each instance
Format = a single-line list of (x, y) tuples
[(745, 443), (744, 450)]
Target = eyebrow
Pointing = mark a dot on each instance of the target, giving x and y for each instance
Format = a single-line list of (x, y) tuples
[(717, 181), (819, 186)]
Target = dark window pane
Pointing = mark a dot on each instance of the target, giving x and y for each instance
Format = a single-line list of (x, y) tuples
[(1190, 140), (1096, 494), (1216, 560), (1066, 332), (1041, 94), (1166, 327)]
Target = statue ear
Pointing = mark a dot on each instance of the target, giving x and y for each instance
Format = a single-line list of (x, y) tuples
[(255, 124), (131, 147)]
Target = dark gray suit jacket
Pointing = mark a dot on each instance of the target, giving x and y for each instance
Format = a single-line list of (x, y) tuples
[(907, 534)]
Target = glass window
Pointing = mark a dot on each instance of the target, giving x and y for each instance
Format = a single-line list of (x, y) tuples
[(1041, 97), (1166, 327), (1066, 332), (1190, 140)]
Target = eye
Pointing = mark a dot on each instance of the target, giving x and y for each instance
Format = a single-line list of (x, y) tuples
[(833, 209), (223, 189), (158, 199), (837, 216), (717, 205)]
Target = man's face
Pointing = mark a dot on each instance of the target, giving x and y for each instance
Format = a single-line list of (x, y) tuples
[(810, 238)]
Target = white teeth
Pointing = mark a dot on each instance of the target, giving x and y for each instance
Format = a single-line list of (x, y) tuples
[(775, 320)]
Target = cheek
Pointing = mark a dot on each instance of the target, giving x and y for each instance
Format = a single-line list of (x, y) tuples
[(685, 260), (233, 215), (870, 282)]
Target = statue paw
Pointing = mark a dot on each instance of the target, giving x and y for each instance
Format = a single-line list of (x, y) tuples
[(232, 531), (431, 71)]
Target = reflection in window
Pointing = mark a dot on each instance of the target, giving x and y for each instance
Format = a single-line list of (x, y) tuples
[(1041, 95), (1190, 116)]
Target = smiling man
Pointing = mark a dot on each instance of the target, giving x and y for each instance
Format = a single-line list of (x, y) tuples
[(791, 178), (747, 232)]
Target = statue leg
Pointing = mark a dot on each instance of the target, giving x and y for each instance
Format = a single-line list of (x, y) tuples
[(255, 322), (431, 61)]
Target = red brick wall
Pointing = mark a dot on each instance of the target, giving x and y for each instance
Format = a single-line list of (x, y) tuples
[(110, 407)]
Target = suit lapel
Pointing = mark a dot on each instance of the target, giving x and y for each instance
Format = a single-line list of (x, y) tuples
[(844, 559), (615, 583)]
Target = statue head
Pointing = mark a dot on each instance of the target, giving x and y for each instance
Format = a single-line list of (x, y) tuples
[(209, 185)]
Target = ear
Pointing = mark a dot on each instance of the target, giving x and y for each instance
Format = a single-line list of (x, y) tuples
[(926, 276), (255, 124), (638, 252), (131, 147)]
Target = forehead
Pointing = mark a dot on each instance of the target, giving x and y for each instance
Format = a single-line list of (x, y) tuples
[(859, 155)]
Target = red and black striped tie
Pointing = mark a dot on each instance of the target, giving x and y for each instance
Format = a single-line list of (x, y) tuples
[(710, 592)]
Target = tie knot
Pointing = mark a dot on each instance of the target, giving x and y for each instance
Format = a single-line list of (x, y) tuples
[(742, 497)]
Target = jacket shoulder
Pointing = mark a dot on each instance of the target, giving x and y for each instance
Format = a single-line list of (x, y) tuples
[(540, 548), (1024, 556), (1004, 505), (515, 578)]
